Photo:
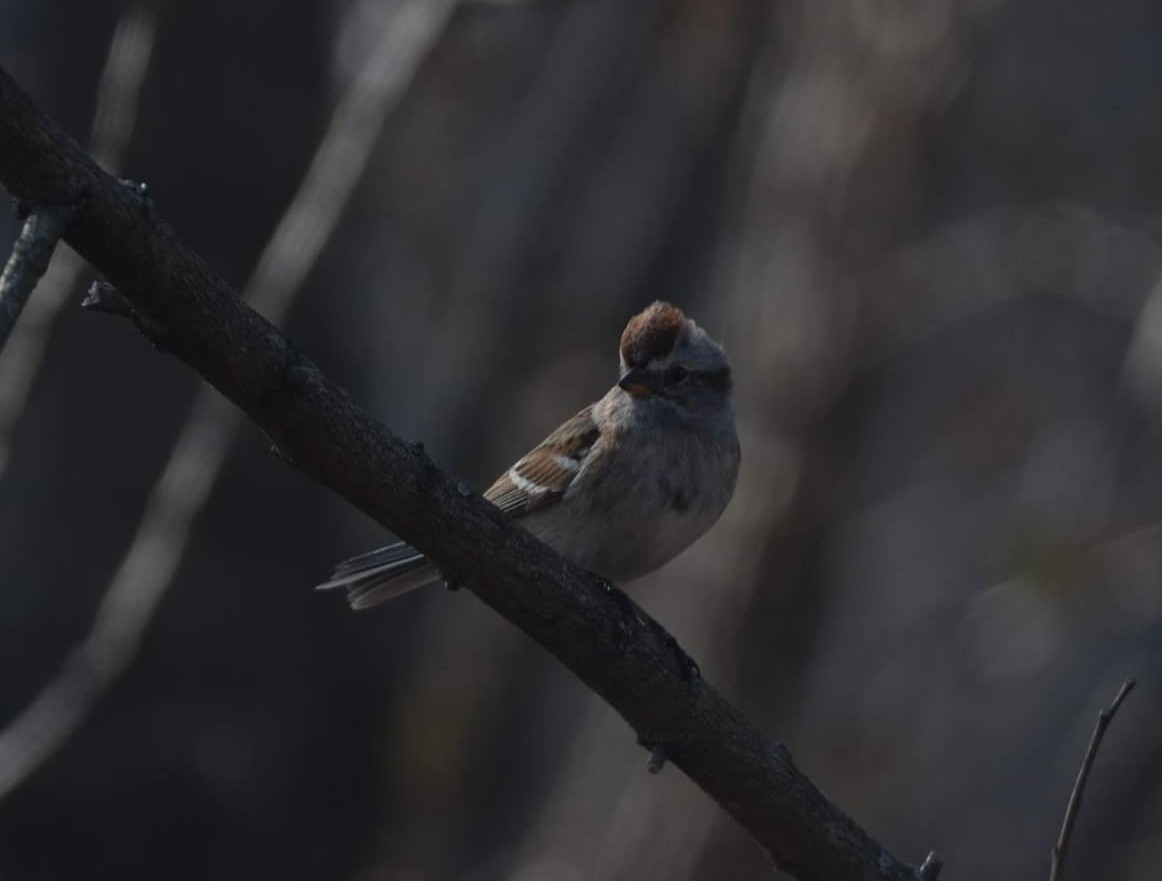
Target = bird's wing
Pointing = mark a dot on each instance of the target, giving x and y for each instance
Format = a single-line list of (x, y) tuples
[(543, 475)]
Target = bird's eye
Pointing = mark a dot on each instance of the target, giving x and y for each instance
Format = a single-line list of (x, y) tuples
[(677, 375)]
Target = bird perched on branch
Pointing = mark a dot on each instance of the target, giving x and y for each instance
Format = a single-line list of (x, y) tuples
[(624, 486)]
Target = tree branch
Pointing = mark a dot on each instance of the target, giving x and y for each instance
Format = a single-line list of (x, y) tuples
[(590, 626), (30, 256), (1104, 718), (137, 587), (113, 120)]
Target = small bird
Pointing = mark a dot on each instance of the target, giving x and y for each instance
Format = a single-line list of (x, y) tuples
[(624, 486)]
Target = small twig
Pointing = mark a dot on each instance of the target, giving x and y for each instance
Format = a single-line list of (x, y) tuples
[(930, 869), (103, 297), (30, 256), (1099, 730)]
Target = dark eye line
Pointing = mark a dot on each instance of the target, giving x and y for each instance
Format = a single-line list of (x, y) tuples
[(719, 378)]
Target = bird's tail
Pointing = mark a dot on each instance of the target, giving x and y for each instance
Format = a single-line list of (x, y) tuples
[(381, 575)]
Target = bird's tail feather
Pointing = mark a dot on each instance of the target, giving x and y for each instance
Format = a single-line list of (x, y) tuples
[(381, 575)]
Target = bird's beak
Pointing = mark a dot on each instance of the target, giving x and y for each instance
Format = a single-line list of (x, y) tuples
[(638, 382)]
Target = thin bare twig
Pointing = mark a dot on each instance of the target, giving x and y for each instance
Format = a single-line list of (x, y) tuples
[(31, 254), (152, 559), (117, 96), (1104, 718)]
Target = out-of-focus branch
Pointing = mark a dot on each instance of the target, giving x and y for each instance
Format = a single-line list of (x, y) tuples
[(181, 492), (113, 121), (342, 155), (550, 137), (117, 95), (1061, 849), (31, 254), (588, 625)]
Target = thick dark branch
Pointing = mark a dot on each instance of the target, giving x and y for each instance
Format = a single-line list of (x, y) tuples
[(590, 627), (30, 255), (1104, 718)]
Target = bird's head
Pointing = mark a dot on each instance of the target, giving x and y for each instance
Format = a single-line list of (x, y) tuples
[(668, 361)]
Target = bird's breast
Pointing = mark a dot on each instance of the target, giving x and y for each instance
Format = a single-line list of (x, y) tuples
[(641, 507)]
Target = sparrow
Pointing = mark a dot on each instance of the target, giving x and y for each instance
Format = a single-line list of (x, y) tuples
[(624, 486)]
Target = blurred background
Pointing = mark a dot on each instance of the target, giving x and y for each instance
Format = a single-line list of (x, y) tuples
[(927, 233)]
